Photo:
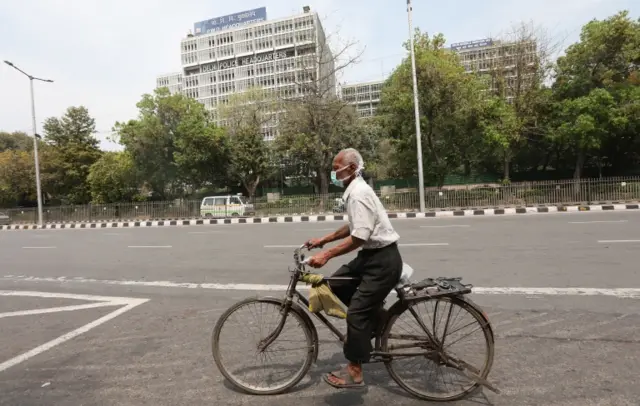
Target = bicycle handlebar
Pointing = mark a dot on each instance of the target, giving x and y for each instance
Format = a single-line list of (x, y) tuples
[(298, 256)]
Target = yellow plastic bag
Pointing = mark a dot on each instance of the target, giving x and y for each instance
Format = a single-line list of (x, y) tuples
[(322, 298)]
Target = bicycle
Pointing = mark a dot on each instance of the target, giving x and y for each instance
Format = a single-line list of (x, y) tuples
[(426, 344)]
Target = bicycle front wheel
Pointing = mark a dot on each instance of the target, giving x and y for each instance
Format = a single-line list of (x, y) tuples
[(269, 371), (460, 336)]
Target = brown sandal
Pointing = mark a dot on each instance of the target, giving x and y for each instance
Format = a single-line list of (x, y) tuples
[(344, 375)]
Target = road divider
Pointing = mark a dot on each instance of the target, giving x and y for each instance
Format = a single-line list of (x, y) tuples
[(325, 218)]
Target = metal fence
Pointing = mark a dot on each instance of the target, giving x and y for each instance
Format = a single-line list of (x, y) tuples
[(566, 192)]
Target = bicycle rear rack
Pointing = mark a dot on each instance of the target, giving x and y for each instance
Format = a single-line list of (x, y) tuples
[(434, 288)]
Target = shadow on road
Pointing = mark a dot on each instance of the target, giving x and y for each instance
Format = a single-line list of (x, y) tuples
[(375, 375)]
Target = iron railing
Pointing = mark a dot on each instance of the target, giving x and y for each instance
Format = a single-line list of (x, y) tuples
[(565, 192)]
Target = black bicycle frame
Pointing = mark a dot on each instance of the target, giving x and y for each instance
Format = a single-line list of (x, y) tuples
[(378, 356), (292, 293)]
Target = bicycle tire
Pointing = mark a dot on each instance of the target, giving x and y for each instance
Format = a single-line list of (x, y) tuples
[(475, 312), (293, 312)]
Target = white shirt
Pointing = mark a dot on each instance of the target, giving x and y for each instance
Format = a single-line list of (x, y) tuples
[(368, 219)]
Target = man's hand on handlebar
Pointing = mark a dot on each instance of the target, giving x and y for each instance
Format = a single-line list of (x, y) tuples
[(314, 243), (318, 261)]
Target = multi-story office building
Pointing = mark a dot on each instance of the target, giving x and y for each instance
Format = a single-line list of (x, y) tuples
[(507, 67), (287, 58), (172, 81), (365, 96)]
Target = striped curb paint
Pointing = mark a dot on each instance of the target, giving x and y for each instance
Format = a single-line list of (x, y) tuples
[(321, 218)]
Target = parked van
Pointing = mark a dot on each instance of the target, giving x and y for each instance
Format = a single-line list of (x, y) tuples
[(225, 206)]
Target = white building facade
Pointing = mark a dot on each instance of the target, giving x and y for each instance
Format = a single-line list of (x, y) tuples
[(278, 56), (365, 96), (510, 65), (172, 81)]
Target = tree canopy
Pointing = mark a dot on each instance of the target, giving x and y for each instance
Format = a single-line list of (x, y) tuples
[(520, 116)]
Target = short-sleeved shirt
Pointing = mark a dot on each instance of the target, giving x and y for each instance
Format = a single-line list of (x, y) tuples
[(368, 219)]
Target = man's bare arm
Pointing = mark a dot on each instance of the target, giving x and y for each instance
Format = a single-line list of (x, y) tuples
[(342, 232), (349, 244)]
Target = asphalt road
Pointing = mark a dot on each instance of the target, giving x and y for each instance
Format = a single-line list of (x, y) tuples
[(551, 349)]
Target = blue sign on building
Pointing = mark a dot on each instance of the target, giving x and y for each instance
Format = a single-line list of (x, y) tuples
[(230, 21), (472, 44)]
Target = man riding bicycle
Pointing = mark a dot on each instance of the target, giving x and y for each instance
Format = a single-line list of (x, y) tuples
[(377, 267)]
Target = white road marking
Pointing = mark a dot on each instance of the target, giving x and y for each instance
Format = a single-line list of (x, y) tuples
[(307, 230), (129, 303), (55, 295), (57, 309), (450, 226), (400, 245), (616, 241), (433, 244), (599, 221), (149, 246), (633, 293), (38, 248)]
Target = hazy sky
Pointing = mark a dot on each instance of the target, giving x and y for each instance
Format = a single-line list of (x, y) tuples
[(106, 54)]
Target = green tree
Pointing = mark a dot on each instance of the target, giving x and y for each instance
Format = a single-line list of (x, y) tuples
[(517, 75), (596, 94), (448, 100), (112, 178), (201, 151), (73, 149), (173, 144), (15, 141), (17, 178), (250, 157), (314, 124), (314, 131), (501, 129)]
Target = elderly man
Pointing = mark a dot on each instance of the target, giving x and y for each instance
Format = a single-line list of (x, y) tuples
[(377, 267)]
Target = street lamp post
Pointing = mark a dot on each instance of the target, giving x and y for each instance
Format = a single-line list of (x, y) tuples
[(35, 136), (417, 109)]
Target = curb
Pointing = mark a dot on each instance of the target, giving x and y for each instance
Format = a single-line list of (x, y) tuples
[(324, 218)]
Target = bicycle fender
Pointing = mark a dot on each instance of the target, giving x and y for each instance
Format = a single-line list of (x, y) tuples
[(478, 309), (295, 307)]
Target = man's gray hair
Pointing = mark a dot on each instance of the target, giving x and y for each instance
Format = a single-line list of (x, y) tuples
[(352, 156)]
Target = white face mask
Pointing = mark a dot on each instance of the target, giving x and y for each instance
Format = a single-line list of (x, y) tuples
[(340, 182)]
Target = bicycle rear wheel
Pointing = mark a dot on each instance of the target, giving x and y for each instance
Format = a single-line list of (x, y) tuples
[(451, 321), (277, 368)]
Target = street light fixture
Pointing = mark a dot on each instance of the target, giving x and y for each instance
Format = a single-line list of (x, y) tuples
[(35, 136), (417, 110)]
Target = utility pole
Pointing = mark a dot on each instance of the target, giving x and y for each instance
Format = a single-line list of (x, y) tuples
[(417, 110), (35, 137)]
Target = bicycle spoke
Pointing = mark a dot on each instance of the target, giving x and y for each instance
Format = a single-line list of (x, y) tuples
[(447, 323), (283, 360)]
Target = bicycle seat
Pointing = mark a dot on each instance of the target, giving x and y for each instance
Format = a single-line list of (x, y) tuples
[(405, 277)]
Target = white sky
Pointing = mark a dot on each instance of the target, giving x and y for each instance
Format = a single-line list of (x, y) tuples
[(106, 54)]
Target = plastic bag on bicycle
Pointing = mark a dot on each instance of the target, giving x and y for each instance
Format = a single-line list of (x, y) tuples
[(322, 298)]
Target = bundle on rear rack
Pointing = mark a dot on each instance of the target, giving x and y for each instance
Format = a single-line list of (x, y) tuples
[(436, 288)]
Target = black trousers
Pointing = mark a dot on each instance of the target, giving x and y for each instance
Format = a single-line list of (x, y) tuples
[(376, 273)]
